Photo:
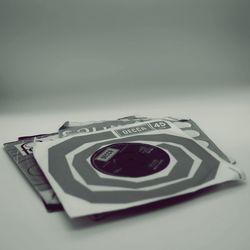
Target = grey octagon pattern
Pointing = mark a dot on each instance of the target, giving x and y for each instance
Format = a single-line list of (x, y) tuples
[(59, 169)]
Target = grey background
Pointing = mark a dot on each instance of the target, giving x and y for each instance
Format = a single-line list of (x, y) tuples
[(83, 60), (58, 52)]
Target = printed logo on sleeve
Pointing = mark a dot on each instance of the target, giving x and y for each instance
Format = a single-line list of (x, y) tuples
[(107, 154), (142, 128)]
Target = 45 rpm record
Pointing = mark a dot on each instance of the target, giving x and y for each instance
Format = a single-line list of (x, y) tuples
[(130, 159)]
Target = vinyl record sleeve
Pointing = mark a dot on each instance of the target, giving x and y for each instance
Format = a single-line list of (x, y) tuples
[(21, 152), (83, 190)]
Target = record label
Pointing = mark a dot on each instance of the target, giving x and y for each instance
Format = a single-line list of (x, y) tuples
[(130, 159)]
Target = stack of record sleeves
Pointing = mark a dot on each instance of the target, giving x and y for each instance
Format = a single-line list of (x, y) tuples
[(103, 166)]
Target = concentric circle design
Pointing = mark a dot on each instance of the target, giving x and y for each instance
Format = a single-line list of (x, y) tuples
[(63, 176), (180, 170)]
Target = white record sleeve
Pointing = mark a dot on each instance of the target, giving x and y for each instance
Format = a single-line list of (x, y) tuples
[(85, 186)]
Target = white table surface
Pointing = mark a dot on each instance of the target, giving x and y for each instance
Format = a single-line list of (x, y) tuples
[(214, 219)]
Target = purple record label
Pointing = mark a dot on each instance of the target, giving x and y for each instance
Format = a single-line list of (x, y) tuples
[(130, 159)]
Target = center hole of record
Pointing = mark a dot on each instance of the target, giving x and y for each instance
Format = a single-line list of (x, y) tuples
[(130, 159)]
